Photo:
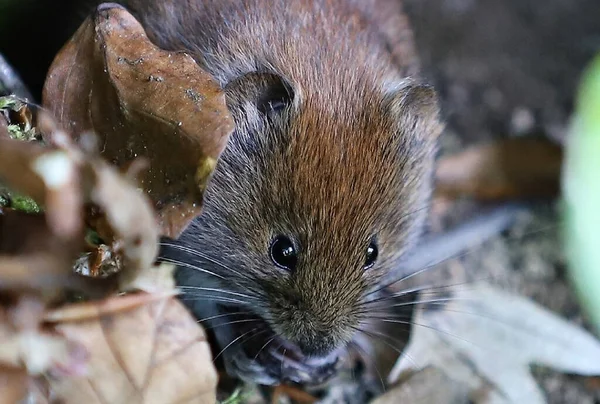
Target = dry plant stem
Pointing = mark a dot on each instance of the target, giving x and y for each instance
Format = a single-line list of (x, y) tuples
[(110, 305)]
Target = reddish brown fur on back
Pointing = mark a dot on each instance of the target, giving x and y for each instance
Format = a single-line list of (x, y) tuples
[(347, 161)]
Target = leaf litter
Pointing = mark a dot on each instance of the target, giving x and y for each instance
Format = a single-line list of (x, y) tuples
[(130, 340)]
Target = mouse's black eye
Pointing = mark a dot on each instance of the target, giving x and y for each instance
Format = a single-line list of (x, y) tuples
[(371, 255), (283, 253)]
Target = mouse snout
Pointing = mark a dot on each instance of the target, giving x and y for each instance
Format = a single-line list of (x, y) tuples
[(316, 326), (314, 342)]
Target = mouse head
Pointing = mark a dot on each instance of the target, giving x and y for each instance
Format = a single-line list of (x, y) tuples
[(314, 199)]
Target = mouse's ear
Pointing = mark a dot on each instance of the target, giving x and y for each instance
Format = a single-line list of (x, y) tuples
[(262, 93), (416, 109)]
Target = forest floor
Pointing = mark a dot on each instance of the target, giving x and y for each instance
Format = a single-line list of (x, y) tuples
[(511, 68)]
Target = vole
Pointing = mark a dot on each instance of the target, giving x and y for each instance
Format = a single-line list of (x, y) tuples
[(323, 185)]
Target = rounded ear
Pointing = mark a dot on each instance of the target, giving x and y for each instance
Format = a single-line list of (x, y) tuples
[(416, 109), (265, 93)]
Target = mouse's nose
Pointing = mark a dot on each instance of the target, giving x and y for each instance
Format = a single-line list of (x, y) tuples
[(313, 332), (315, 343), (317, 313)]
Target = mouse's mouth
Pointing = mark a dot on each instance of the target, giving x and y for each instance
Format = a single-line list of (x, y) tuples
[(253, 352)]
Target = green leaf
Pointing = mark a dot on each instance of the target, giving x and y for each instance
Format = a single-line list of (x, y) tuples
[(581, 194)]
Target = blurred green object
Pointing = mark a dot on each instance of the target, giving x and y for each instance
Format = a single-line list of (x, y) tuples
[(581, 193)]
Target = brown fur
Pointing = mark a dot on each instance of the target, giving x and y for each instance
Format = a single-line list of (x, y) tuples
[(348, 159)]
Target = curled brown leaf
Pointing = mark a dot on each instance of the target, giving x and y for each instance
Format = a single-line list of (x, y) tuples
[(146, 102), (149, 107)]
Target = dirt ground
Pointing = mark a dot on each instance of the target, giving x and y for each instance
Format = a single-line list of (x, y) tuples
[(510, 68)]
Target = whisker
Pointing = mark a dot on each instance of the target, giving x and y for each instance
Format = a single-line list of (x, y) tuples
[(380, 336), (221, 315), (235, 340), (204, 256), (419, 272), (188, 265), (431, 328), (484, 226), (382, 315), (442, 308), (264, 346), (365, 356), (247, 320), (426, 206), (423, 289), (433, 301), (217, 290), (281, 362), (190, 297), (388, 309)]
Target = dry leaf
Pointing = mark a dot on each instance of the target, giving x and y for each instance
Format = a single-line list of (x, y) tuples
[(62, 178), (428, 386), (487, 339), (40, 352), (154, 353), (508, 169), (37, 250), (13, 384), (134, 348), (146, 102)]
